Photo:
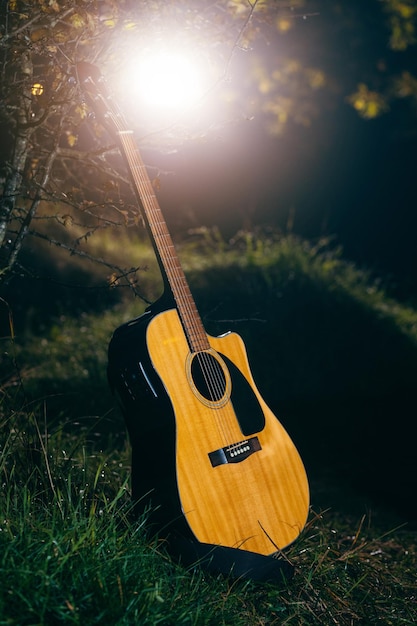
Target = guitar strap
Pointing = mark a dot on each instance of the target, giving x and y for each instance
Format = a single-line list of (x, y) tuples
[(231, 562)]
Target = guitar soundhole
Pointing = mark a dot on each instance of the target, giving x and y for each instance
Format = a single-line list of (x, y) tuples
[(208, 376)]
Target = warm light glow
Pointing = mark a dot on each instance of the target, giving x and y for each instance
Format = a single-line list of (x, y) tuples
[(167, 80)]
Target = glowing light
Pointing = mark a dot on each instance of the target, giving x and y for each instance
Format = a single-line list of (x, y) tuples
[(167, 80)]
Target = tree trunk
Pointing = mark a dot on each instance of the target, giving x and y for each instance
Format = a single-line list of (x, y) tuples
[(16, 164)]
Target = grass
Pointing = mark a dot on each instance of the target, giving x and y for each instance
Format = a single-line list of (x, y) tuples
[(72, 553), (71, 550)]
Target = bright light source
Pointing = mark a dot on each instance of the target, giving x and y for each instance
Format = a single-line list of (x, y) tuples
[(170, 81), (167, 80)]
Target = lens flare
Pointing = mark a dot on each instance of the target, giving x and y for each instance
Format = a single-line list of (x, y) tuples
[(168, 80)]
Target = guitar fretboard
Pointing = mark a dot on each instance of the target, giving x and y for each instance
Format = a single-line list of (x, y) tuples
[(171, 265)]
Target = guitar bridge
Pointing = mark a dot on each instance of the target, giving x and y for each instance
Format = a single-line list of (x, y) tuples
[(235, 453)]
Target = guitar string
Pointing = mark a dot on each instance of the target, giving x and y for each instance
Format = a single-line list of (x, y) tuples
[(210, 371), (185, 303), (187, 309), (179, 286), (209, 368), (212, 374), (161, 234)]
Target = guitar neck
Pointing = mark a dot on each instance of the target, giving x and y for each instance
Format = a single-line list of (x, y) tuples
[(164, 246)]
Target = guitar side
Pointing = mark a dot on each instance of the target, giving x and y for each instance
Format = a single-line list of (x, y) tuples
[(258, 501)]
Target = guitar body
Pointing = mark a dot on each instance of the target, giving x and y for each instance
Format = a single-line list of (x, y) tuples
[(222, 463)]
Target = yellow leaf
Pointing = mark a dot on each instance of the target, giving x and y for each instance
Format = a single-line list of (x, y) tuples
[(359, 104), (113, 280), (284, 24), (238, 6), (316, 78), (129, 25), (37, 89), (369, 104), (67, 220), (54, 6), (372, 109), (82, 110), (77, 21), (405, 10), (39, 33), (61, 35), (72, 140)]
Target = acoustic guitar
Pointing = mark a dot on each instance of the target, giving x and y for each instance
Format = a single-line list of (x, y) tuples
[(208, 453)]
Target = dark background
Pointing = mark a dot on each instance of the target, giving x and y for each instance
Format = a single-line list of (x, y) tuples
[(343, 176), (338, 175)]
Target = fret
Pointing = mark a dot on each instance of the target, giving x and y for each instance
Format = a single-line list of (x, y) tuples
[(153, 217), (171, 265), (164, 246)]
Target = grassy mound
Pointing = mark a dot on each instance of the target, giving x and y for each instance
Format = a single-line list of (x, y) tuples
[(336, 360)]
